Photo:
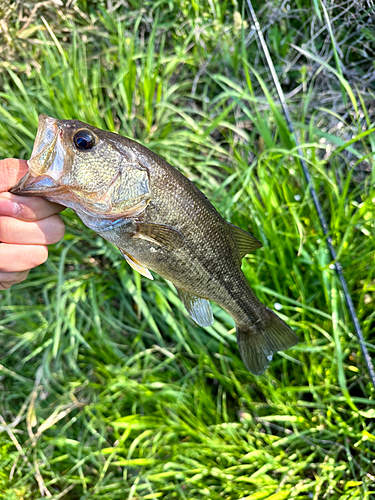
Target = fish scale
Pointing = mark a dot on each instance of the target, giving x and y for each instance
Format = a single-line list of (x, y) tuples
[(160, 221)]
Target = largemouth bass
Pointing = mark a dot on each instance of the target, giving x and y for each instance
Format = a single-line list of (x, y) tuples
[(160, 221)]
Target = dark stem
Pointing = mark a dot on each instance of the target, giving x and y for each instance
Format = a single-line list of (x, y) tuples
[(318, 206)]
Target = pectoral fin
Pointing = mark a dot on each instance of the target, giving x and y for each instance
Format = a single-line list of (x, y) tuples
[(199, 309), (136, 265), (245, 242), (159, 234)]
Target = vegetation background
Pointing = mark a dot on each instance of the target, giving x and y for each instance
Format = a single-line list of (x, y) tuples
[(108, 390)]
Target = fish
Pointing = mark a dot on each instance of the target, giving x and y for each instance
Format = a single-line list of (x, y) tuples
[(160, 221)]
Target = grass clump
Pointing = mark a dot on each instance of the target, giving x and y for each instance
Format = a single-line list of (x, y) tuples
[(109, 391)]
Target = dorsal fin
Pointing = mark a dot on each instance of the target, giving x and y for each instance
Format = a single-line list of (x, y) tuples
[(245, 242)]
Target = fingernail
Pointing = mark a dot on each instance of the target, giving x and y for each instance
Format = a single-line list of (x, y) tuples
[(8, 207)]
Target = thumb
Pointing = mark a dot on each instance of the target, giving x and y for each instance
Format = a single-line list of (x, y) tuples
[(11, 171)]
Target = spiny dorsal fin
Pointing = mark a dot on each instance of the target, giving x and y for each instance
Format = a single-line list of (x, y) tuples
[(199, 309), (245, 242), (136, 265), (160, 234)]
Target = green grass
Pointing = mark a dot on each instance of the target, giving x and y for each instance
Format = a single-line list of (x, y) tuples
[(108, 389)]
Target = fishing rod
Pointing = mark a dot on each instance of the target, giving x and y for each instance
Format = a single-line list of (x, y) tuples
[(318, 206)]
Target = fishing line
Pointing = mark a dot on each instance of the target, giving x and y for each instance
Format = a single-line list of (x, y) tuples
[(318, 206)]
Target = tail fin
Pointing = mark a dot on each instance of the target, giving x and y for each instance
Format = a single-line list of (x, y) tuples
[(257, 343)]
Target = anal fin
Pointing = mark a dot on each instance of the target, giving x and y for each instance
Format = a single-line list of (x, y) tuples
[(199, 309), (136, 265)]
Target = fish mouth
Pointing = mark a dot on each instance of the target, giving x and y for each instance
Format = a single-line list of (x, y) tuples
[(41, 185), (46, 163)]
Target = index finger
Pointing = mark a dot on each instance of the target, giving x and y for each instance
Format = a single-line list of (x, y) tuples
[(27, 208)]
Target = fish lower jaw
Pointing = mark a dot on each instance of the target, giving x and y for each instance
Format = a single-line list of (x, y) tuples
[(99, 223)]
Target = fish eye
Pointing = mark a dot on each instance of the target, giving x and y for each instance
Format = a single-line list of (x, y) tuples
[(84, 140)]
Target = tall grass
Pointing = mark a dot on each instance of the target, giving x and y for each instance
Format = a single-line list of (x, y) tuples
[(109, 391)]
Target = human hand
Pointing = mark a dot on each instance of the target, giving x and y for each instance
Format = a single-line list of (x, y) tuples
[(27, 225)]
